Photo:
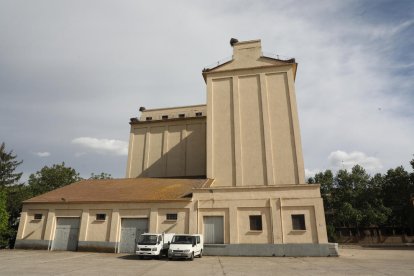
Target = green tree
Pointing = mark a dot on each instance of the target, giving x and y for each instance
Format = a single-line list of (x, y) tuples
[(50, 178), (10, 199), (102, 175), (352, 199), (397, 191), (16, 194), (8, 165), (4, 220)]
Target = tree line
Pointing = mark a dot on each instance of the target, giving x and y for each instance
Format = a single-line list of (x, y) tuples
[(13, 192), (351, 198), (354, 199)]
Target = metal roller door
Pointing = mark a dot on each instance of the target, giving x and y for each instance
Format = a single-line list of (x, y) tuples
[(213, 230), (131, 229), (66, 234)]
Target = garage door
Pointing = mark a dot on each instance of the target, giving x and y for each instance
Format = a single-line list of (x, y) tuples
[(213, 230), (66, 234), (131, 229)]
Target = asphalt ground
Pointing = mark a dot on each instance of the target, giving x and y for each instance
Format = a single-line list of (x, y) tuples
[(353, 261)]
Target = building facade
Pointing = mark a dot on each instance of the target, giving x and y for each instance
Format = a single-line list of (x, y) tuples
[(231, 170)]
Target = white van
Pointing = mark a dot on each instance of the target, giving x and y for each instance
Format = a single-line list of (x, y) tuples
[(153, 245), (186, 246)]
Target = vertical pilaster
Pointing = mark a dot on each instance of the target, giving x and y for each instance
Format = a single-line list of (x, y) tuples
[(193, 218), (320, 221), (50, 227), (184, 140), (210, 150), (84, 225), (130, 148), (22, 225), (153, 220), (164, 150), (114, 235), (238, 155), (234, 227), (146, 151), (300, 169), (267, 130)]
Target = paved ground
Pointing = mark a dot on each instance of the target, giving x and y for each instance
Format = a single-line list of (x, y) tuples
[(353, 261)]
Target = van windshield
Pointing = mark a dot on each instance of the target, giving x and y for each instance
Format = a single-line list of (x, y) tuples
[(183, 240), (147, 240)]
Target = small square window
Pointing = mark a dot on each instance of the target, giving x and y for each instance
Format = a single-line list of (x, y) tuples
[(256, 223), (171, 216), (148, 118), (199, 114), (181, 115), (164, 117), (38, 216), (100, 216), (298, 222)]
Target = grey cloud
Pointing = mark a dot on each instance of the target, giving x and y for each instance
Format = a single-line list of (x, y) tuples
[(82, 68)]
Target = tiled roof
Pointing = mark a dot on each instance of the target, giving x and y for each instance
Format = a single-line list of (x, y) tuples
[(123, 190)]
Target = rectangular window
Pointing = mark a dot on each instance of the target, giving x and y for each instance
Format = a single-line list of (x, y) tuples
[(164, 117), (256, 223), (38, 216), (199, 114), (298, 222), (171, 216), (148, 118), (181, 115), (100, 216)]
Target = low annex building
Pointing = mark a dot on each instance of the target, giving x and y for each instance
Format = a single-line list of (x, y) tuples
[(231, 170)]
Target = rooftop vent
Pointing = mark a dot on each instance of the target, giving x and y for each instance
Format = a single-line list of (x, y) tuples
[(233, 41)]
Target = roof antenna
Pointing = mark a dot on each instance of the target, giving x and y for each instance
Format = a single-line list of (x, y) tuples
[(233, 41)]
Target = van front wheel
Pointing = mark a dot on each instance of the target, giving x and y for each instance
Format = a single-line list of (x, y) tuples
[(201, 254), (192, 257)]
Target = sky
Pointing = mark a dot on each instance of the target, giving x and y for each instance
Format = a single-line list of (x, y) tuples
[(72, 73)]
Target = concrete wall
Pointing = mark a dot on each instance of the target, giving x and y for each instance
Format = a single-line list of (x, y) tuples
[(253, 136), (170, 148)]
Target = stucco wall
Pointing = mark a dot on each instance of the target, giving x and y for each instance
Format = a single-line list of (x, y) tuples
[(253, 135), (235, 205), (167, 148)]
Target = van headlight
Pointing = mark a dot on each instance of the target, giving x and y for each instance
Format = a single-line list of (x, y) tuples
[(154, 249)]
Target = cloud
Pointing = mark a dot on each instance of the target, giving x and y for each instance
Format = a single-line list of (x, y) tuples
[(42, 153), (342, 159), (311, 173), (103, 146)]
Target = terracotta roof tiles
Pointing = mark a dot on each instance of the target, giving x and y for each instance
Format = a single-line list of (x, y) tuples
[(123, 190)]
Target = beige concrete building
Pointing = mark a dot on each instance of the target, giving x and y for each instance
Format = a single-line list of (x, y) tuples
[(231, 170)]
